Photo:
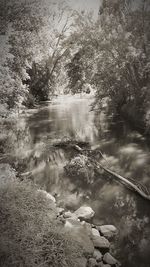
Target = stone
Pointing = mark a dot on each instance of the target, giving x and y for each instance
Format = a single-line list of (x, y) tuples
[(81, 262), (47, 195), (60, 211), (109, 259), (107, 230), (100, 242), (69, 214), (92, 262), (97, 255), (95, 232), (84, 212), (79, 234), (71, 223)]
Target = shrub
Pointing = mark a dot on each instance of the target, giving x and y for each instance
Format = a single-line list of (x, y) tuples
[(80, 167)]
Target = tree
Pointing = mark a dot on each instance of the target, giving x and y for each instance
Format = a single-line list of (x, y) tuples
[(116, 56), (34, 33), (44, 74), (80, 66), (124, 57), (75, 73)]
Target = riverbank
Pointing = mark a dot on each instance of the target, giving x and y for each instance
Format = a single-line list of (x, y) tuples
[(34, 149), (35, 231)]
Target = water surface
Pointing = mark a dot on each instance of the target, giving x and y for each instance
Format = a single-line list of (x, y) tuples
[(126, 151)]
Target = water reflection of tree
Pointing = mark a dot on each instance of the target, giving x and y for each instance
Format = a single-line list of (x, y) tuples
[(126, 150), (134, 234)]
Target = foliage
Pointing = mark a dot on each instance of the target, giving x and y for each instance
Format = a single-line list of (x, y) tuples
[(123, 73), (16, 49), (38, 82), (75, 74), (116, 57), (33, 34), (81, 167), (30, 233), (80, 65), (40, 41)]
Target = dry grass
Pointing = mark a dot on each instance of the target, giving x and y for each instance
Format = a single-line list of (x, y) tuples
[(30, 234)]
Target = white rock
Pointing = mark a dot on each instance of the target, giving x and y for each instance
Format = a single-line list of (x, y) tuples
[(95, 232), (60, 210), (69, 214), (47, 195), (107, 230), (97, 255), (100, 242), (84, 212), (92, 262), (109, 259), (80, 234), (71, 223)]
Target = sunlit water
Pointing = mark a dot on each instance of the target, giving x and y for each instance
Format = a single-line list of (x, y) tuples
[(125, 150)]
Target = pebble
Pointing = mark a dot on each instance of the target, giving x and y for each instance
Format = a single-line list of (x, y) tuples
[(47, 195), (60, 211), (107, 230), (69, 214), (109, 259), (92, 262), (84, 212), (100, 242), (95, 232), (89, 236), (80, 234), (97, 255)]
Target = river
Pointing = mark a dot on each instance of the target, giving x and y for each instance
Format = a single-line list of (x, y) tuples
[(126, 151)]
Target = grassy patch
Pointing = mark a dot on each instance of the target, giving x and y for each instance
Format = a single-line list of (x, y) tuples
[(30, 233)]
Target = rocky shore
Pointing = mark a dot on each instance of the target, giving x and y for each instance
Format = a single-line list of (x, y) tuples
[(94, 239)]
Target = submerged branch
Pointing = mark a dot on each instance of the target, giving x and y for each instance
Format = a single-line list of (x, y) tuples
[(130, 183), (125, 181)]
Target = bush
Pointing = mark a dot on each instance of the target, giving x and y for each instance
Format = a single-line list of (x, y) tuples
[(81, 167), (30, 233)]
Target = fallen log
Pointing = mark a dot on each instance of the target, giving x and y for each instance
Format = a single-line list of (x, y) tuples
[(130, 183), (125, 181)]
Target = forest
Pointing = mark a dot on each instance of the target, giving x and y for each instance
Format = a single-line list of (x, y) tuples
[(47, 46), (74, 118)]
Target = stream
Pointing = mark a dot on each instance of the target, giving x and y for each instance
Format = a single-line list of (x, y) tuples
[(127, 152)]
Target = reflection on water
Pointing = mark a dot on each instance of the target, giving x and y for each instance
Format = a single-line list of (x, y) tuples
[(126, 152)]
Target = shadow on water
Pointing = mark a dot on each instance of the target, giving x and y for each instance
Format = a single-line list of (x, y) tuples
[(125, 150)]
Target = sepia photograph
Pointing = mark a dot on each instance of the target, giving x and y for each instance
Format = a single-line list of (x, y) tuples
[(74, 133)]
